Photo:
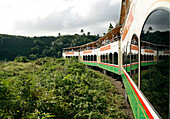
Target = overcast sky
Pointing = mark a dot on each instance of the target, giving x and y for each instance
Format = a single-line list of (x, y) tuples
[(49, 17)]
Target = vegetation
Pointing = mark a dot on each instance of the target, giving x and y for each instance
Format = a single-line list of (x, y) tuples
[(155, 86), (37, 47), (110, 27), (157, 37), (56, 88)]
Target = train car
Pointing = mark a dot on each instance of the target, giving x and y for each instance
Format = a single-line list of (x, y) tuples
[(138, 46), (145, 28)]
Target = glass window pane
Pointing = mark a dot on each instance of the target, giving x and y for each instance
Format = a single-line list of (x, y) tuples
[(155, 63)]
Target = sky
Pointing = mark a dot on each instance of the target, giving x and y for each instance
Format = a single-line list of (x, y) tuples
[(50, 17), (158, 20)]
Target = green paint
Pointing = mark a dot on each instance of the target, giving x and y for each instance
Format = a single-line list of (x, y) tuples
[(90, 63), (137, 108), (135, 66), (110, 68)]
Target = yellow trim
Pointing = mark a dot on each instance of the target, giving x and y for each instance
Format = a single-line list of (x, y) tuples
[(154, 4), (142, 111), (131, 103), (137, 102), (134, 94)]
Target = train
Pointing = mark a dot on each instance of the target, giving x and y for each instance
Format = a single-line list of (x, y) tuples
[(140, 40)]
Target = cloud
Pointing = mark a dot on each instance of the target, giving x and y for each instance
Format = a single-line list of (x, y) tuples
[(158, 20), (68, 16)]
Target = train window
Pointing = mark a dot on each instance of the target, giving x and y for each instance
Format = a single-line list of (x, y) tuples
[(110, 58), (116, 58), (132, 59), (92, 58), (88, 58), (104, 58), (155, 72), (95, 57), (107, 58)]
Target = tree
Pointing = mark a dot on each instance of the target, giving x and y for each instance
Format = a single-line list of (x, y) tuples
[(35, 50), (150, 28), (82, 31), (88, 33), (46, 52), (32, 56), (59, 54), (59, 34), (38, 42), (110, 27)]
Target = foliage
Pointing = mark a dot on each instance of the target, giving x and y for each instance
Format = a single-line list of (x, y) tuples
[(155, 86), (157, 37), (56, 88), (37, 47), (110, 27), (21, 59)]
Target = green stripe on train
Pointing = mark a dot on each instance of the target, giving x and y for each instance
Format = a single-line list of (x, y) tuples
[(135, 66), (103, 66), (137, 108), (90, 63), (148, 63), (110, 68)]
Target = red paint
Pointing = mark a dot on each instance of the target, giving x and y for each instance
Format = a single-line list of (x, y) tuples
[(105, 48), (129, 23), (90, 61), (109, 64), (166, 52), (134, 47), (147, 61), (149, 51), (70, 53), (140, 99), (85, 52)]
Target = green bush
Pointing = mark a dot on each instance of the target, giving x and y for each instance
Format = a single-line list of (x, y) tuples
[(21, 59), (155, 86), (60, 89)]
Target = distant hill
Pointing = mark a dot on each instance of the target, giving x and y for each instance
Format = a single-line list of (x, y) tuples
[(35, 47)]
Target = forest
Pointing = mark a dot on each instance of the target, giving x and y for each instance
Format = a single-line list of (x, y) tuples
[(57, 88), (36, 47), (155, 86)]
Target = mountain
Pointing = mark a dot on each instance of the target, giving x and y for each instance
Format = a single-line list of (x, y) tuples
[(35, 47)]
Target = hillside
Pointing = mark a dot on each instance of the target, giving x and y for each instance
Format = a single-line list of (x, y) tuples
[(57, 88), (36, 47)]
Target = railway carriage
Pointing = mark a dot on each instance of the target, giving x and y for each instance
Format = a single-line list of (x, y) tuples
[(143, 42)]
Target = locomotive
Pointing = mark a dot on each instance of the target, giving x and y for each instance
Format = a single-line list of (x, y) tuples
[(139, 41)]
